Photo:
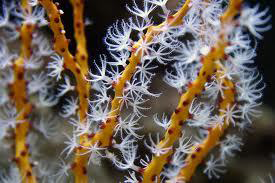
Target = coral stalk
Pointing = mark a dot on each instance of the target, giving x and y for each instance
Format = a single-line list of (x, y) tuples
[(181, 114), (199, 151), (61, 46), (18, 93), (79, 34), (79, 69), (104, 136)]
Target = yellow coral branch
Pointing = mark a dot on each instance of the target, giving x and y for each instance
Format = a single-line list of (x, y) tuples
[(181, 114), (104, 136), (25, 5), (79, 34), (18, 93), (81, 56), (61, 47), (21, 147), (199, 151), (79, 71)]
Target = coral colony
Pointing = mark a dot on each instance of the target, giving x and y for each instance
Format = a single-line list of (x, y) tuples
[(207, 47)]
